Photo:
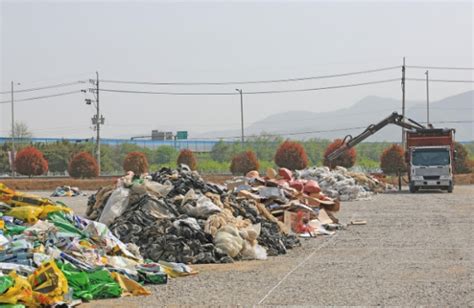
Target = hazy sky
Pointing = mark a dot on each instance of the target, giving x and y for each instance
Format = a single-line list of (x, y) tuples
[(44, 43)]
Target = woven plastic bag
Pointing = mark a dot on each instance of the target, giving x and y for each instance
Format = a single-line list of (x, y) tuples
[(20, 291), (48, 283)]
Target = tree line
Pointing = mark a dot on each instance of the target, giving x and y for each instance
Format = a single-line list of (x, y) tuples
[(267, 151)]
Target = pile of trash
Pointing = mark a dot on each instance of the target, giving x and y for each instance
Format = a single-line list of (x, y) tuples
[(66, 191), (342, 184), (174, 215), (49, 256), (297, 205)]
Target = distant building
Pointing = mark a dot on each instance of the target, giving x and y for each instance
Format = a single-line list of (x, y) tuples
[(159, 135)]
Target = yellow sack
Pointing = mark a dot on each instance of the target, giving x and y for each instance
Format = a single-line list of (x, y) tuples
[(2, 225), (19, 292), (48, 283), (14, 198), (129, 286), (4, 191), (53, 208), (177, 269), (26, 213)]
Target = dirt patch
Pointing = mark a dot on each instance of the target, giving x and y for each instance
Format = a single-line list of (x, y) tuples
[(94, 184), (464, 179), (459, 179), (42, 183), (216, 178), (241, 266), (51, 184)]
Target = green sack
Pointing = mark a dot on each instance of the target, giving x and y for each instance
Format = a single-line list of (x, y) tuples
[(90, 285), (60, 220), (5, 283), (103, 285), (14, 229)]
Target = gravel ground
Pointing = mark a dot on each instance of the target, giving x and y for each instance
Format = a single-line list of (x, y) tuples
[(417, 249)]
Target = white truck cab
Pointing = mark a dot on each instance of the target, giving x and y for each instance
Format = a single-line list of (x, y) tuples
[(431, 167)]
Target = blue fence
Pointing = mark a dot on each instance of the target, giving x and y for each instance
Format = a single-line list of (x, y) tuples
[(193, 145)]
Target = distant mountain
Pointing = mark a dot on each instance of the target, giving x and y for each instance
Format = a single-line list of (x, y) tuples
[(369, 110)]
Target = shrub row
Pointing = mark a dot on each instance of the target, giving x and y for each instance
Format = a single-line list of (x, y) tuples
[(290, 154)]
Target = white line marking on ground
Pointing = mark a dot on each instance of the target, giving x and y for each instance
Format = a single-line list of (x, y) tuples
[(296, 267)]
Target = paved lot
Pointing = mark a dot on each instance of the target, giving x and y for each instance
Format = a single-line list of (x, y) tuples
[(417, 249)]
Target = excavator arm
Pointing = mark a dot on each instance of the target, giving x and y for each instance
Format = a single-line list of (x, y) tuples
[(395, 118)]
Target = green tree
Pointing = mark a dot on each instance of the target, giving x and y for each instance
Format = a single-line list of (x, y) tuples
[(264, 146), (461, 164), (4, 162), (110, 159), (57, 154), (221, 151), (315, 150), (165, 154)]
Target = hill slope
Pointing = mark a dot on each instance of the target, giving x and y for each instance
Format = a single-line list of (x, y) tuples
[(369, 110)]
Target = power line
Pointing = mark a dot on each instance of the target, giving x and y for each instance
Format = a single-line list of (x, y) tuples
[(249, 82), (325, 88), (442, 122), (170, 93), (316, 131), (41, 97), (283, 133), (65, 84), (440, 67), (248, 93), (442, 80)]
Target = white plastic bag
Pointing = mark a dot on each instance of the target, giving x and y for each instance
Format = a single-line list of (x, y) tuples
[(253, 252), (203, 209), (115, 206), (158, 188), (228, 240)]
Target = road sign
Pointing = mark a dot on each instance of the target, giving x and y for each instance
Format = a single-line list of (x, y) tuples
[(182, 135)]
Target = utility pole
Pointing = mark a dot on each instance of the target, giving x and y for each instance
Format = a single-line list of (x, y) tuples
[(403, 101), (242, 140), (13, 132), (427, 100), (98, 119)]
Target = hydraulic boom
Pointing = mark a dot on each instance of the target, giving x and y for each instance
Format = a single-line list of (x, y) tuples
[(395, 118)]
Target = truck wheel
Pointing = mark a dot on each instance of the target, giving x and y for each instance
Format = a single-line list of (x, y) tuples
[(450, 188), (413, 188)]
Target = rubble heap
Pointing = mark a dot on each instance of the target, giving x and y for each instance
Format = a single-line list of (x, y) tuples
[(342, 184), (174, 215)]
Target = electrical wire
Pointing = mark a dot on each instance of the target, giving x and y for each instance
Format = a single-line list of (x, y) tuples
[(440, 67), (312, 132), (41, 97), (282, 133), (249, 82), (65, 84), (465, 121), (441, 80), (248, 93)]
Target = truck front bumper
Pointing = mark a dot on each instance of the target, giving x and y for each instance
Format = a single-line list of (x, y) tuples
[(432, 183)]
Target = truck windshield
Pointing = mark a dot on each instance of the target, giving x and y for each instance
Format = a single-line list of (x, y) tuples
[(431, 157)]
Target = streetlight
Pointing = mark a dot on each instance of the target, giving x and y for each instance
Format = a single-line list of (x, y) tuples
[(241, 116), (427, 100)]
